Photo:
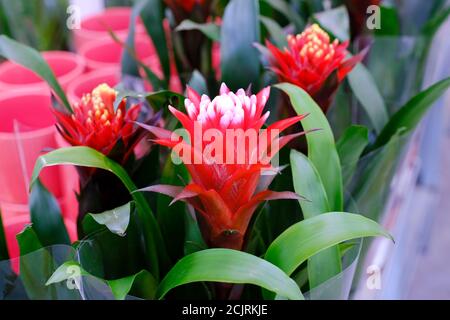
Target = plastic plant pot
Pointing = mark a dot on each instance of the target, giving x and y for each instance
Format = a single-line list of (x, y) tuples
[(107, 54), (27, 128), (87, 82), (96, 27), (65, 65)]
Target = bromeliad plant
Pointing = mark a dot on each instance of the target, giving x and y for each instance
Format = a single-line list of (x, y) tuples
[(217, 223)]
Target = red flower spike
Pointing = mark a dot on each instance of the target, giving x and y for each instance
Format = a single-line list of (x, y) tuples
[(186, 5), (95, 124), (224, 193), (313, 63)]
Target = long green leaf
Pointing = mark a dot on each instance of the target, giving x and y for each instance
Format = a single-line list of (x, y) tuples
[(142, 284), (230, 266), (240, 30), (284, 7), (46, 217), (28, 240), (31, 59), (350, 148), (210, 29), (152, 17), (310, 236), (307, 182), (321, 148), (366, 91), (128, 64), (275, 31), (87, 157), (335, 21), (412, 112)]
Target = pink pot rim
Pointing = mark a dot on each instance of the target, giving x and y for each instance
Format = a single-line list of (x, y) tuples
[(80, 65), (86, 32), (111, 71), (89, 46), (28, 134)]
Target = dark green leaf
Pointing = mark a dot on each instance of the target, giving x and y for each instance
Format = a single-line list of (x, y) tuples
[(412, 112), (210, 29), (390, 23), (46, 217), (28, 240), (152, 17), (433, 25), (289, 12), (142, 284), (31, 59), (240, 30), (350, 148), (276, 32), (229, 266), (366, 91), (87, 157), (128, 63)]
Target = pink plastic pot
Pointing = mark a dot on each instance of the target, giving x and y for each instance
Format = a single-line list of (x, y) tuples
[(66, 66), (95, 28), (107, 54), (87, 82), (26, 130)]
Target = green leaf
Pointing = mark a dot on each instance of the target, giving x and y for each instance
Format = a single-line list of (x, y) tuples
[(31, 59), (128, 63), (193, 239), (310, 236), (210, 29), (321, 148), (4, 255), (116, 220), (240, 29), (390, 23), (87, 157), (433, 25), (171, 218), (370, 188), (366, 91), (412, 112), (276, 32), (161, 99), (142, 284), (335, 21), (289, 12), (152, 17), (307, 182), (350, 148), (229, 266), (46, 217), (28, 240)]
